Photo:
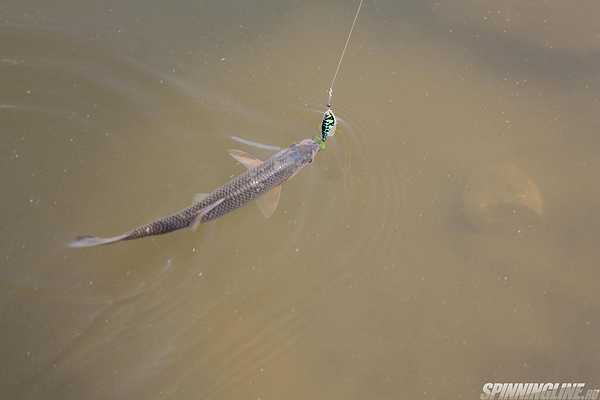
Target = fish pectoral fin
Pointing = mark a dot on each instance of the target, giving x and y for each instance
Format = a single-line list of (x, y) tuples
[(198, 197), (203, 212), (268, 202), (244, 158)]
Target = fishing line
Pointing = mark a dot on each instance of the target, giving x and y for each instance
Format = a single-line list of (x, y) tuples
[(330, 92), (329, 122)]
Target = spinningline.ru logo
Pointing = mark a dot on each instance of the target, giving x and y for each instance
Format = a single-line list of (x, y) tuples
[(538, 391)]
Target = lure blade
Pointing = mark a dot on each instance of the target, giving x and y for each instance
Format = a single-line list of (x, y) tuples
[(328, 125)]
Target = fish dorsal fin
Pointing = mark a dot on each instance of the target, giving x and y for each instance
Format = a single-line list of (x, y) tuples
[(203, 212), (198, 197), (256, 144), (267, 203), (244, 158)]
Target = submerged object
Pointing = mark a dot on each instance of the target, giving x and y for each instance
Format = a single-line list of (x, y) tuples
[(262, 181), (502, 197)]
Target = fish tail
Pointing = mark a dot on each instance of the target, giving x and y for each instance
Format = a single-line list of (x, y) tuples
[(89, 241), (190, 216)]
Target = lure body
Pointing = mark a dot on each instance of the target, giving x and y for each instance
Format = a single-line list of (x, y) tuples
[(328, 125), (259, 179)]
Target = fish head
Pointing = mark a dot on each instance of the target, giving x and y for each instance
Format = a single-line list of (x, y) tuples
[(306, 150), (298, 155)]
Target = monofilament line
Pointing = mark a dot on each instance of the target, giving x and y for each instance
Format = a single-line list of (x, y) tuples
[(343, 53)]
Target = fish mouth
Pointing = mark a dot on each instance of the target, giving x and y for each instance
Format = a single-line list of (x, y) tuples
[(315, 150)]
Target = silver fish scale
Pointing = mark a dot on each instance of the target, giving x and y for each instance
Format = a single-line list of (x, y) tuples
[(237, 192), (250, 185), (166, 224)]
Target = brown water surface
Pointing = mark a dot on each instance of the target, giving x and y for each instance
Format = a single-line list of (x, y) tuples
[(447, 237)]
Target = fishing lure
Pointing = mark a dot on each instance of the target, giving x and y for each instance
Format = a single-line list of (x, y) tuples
[(328, 126)]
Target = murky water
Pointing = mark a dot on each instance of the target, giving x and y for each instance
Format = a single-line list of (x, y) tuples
[(447, 237)]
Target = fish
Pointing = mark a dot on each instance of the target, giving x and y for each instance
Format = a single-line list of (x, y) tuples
[(261, 181)]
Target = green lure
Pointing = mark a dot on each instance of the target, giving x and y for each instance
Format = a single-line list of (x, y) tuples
[(327, 127)]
